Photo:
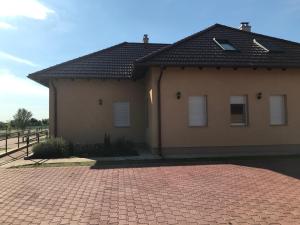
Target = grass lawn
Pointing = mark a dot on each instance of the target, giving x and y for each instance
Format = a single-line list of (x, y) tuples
[(64, 164)]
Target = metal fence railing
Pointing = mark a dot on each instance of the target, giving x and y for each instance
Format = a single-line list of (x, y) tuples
[(16, 140), (27, 130)]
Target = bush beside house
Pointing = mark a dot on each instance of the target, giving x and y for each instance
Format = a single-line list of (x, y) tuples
[(52, 148), (60, 148)]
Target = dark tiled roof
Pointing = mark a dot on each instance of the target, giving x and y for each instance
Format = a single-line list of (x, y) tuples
[(130, 60), (200, 50), (115, 62)]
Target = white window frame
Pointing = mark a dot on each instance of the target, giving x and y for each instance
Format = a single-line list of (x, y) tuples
[(283, 111), (220, 44), (203, 117), (238, 101), (117, 117)]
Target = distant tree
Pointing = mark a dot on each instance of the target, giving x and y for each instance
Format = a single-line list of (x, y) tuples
[(34, 122), (22, 118), (2, 125), (45, 122), (11, 124)]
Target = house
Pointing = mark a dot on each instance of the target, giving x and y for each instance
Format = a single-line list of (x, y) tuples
[(220, 91)]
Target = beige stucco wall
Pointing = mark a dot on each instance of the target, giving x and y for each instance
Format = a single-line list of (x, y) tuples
[(151, 95), (51, 109), (82, 120), (219, 85)]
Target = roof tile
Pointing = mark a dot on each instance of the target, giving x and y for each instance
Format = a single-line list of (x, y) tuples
[(200, 49), (115, 62)]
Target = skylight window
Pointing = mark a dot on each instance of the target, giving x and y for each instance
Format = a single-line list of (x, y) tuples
[(267, 46), (224, 44)]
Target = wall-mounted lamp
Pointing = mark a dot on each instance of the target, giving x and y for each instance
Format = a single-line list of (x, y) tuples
[(100, 101), (178, 95), (259, 95)]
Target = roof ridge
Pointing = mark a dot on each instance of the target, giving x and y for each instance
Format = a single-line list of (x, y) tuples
[(141, 43), (159, 51), (258, 34), (152, 54), (75, 60)]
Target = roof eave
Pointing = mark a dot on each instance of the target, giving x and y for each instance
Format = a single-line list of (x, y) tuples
[(40, 80), (215, 65)]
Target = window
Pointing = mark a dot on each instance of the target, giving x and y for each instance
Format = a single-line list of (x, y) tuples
[(197, 111), (278, 110), (238, 111), (268, 46), (121, 114), (224, 44)]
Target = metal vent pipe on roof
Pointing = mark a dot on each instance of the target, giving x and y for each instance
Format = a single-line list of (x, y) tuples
[(245, 26), (146, 39)]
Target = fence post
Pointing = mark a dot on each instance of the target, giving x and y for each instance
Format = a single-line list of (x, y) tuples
[(27, 145), (6, 137), (29, 133), (18, 139)]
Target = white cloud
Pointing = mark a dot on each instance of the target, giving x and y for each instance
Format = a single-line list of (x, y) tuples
[(20, 92), (12, 85), (25, 8), (7, 26), (7, 56)]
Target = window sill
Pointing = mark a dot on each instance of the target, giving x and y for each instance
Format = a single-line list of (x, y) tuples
[(238, 125), (278, 125), (204, 126)]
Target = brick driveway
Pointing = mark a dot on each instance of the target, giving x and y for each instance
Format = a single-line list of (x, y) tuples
[(199, 194)]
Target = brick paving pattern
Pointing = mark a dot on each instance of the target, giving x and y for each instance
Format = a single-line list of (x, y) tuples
[(202, 194), (12, 157), (11, 143)]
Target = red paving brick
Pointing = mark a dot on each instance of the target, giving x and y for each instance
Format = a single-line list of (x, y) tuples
[(203, 194)]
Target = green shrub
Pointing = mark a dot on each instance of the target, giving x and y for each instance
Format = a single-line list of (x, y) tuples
[(122, 144), (120, 147), (52, 148), (88, 150), (59, 148), (106, 142)]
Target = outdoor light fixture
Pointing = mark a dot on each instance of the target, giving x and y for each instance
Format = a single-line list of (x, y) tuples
[(178, 95), (259, 95)]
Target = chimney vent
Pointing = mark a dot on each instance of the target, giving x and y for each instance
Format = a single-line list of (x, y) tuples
[(245, 26), (146, 39)]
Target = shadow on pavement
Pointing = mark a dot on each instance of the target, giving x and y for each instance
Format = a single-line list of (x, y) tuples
[(287, 165)]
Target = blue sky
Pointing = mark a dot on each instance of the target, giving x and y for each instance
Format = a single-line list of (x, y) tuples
[(36, 34)]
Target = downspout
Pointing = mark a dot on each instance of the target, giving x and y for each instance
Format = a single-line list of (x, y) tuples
[(159, 111), (55, 107)]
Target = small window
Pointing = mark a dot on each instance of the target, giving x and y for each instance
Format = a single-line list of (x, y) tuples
[(238, 111), (121, 114), (278, 110), (224, 44), (268, 46), (197, 111)]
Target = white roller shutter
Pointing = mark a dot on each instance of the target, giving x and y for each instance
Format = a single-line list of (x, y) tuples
[(238, 100), (277, 110), (121, 114), (197, 111)]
